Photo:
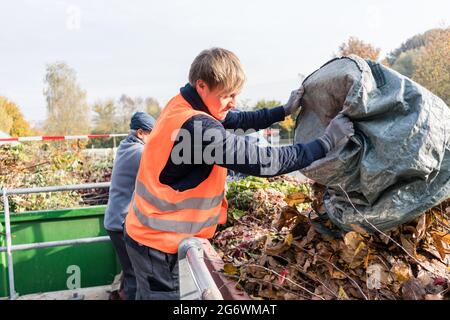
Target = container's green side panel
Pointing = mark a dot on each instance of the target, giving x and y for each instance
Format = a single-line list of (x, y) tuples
[(58, 268)]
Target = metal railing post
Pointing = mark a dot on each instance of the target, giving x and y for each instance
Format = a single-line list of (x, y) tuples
[(12, 290), (196, 282)]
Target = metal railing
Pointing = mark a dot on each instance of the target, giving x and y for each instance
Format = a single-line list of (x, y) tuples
[(10, 248), (196, 282)]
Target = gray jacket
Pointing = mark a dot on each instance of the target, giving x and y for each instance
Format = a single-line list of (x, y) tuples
[(126, 165)]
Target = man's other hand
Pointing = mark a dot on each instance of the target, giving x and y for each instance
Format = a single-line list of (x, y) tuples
[(339, 128), (293, 103)]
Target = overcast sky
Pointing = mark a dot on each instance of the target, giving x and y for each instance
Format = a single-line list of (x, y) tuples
[(144, 48)]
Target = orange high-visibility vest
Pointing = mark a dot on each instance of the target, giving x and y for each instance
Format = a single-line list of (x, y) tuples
[(159, 216)]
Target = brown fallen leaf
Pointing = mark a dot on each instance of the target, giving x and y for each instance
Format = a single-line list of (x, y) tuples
[(268, 293), (338, 275), (402, 271), (255, 272), (301, 227), (421, 228), (377, 276), (280, 247), (439, 245), (296, 198), (359, 229), (354, 249), (424, 278), (307, 265), (271, 262), (352, 240), (408, 246), (290, 296), (287, 214), (230, 269), (445, 236), (342, 294), (288, 239)]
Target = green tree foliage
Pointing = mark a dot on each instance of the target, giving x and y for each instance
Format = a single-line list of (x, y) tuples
[(286, 127), (67, 109), (261, 104), (105, 121), (152, 107), (405, 63), (14, 119), (114, 117), (360, 48), (105, 117)]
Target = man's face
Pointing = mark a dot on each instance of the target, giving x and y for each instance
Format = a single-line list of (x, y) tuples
[(143, 135), (218, 102)]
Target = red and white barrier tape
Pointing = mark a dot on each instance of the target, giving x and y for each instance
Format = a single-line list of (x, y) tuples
[(47, 138)]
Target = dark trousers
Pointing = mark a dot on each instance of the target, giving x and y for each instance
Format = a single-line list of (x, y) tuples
[(156, 272), (129, 279)]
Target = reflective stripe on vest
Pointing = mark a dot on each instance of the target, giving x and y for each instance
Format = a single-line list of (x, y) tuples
[(173, 225), (198, 203)]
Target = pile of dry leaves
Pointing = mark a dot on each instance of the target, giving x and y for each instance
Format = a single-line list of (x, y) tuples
[(52, 164), (274, 251)]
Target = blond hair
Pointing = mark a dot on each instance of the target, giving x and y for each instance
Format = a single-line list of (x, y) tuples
[(219, 68)]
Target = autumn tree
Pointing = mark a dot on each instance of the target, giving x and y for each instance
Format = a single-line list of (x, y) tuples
[(403, 59), (261, 104), (287, 127), (67, 109), (415, 42), (126, 107), (360, 48), (406, 62), (18, 127), (105, 117), (152, 107), (433, 65), (5, 121), (104, 121)]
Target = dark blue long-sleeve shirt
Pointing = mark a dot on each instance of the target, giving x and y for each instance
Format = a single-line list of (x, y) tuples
[(239, 152)]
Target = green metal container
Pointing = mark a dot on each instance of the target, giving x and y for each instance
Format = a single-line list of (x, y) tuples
[(58, 268)]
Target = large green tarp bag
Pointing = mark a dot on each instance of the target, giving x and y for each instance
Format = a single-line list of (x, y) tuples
[(398, 163)]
